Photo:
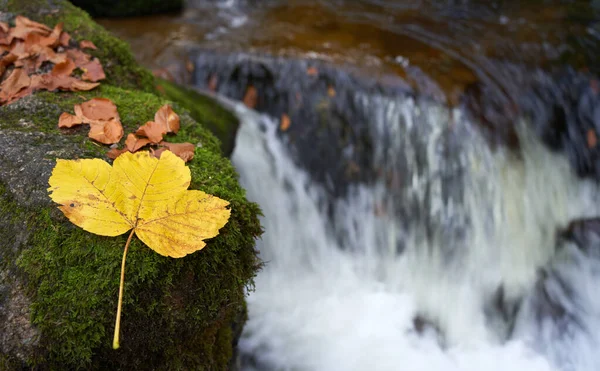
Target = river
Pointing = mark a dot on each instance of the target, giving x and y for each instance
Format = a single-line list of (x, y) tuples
[(428, 173)]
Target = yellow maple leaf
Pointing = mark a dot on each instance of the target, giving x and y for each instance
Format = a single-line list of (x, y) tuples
[(141, 193)]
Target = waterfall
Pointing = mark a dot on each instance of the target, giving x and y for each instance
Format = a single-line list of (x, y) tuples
[(435, 271)]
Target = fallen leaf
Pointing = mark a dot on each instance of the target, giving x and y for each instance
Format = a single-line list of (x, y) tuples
[(25, 26), (152, 131), (143, 194), (250, 97), (99, 109), (167, 118), (133, 143), (80, 58), (106, 132), (185, 151), (113, 153), (93, 71), (4, 27), (15, 82), (312, 71), (331, 91), (592, 139), (212, 83), (87, 44), (66, 120), (285, 122), (64, 39), (189, 66), (65, 68)]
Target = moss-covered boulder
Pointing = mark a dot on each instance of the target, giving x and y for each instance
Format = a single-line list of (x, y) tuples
[(59, 284)]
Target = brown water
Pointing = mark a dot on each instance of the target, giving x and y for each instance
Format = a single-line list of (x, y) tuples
[(439, 48)]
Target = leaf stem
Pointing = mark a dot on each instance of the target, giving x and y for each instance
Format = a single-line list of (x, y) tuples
[(120, 304)]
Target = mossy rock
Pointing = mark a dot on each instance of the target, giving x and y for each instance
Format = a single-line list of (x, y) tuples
[(59, 284)]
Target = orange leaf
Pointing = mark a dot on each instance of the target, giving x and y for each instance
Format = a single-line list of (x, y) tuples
[(312, 71), (65, 68), (251, 97), (99, 109), (133, 143), (66, 120), (185, 151), (92, 71), (113, 153), (14, 83), (331, 91), (64, 39), (285, 122), (80, 58), (167, 118), (107, 132), (592, 139), (83, 44), (152, 131)]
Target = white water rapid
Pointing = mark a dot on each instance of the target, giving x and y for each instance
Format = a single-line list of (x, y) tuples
[(343, 292)]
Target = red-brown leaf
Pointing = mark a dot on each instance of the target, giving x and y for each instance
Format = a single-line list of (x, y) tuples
[(167, 118), (93, 71), (83, 44), (133, 143), (66, 120), (106, 132), (152, 131)]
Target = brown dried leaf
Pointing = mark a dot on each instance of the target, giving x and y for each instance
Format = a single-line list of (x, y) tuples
[(53, 39), (113, 153), (106, 132), (25, 26), (14, 83), (213, 83), (83, 44), (4, 27), (312, 71), (167, 118), (64, 39), (285, 122), (65, 68), (133, 143), (66, 120), (80, 58), (99, 109), (185, 151), (592, 138), (93, 71), (250, 97), (331, 91), (152, 131)]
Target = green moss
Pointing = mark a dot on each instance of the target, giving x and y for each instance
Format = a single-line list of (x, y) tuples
[(178, 313), (120, 8), (221, 122), (115, 55)]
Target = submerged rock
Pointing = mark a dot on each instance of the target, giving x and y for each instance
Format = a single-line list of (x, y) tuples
[(118, 8), (59, 284)]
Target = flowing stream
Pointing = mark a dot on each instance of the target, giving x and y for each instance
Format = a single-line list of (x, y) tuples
[(338, 293)]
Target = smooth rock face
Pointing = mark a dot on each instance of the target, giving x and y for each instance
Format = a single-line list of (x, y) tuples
[(59, 284)]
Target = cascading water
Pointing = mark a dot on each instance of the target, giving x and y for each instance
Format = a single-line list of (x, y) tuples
[(424, 269)]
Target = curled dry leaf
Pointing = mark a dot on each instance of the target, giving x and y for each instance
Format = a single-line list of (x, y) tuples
[(133, 143), (80, 58), (106, 132), (152, 131), (16, 81), (185, 151), (64, 39), (285, 122), (99, 109), (65, 68), (93, 71), (113, 153), (167, 118), (251, 97), (66, 120), (87, 44)]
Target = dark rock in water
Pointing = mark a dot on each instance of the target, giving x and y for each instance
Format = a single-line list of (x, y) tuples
[(59, 284), (328, 130), (560, 314), (119, 8)]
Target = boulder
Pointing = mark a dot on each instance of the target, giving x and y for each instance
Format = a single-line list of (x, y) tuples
[(59, 284)]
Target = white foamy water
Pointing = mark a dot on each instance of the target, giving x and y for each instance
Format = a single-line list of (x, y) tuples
[(343, 294)]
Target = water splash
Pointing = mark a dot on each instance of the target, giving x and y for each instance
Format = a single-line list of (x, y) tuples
[(422, 273)]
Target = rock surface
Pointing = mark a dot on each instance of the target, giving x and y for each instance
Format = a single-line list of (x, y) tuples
[(59, 284)]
